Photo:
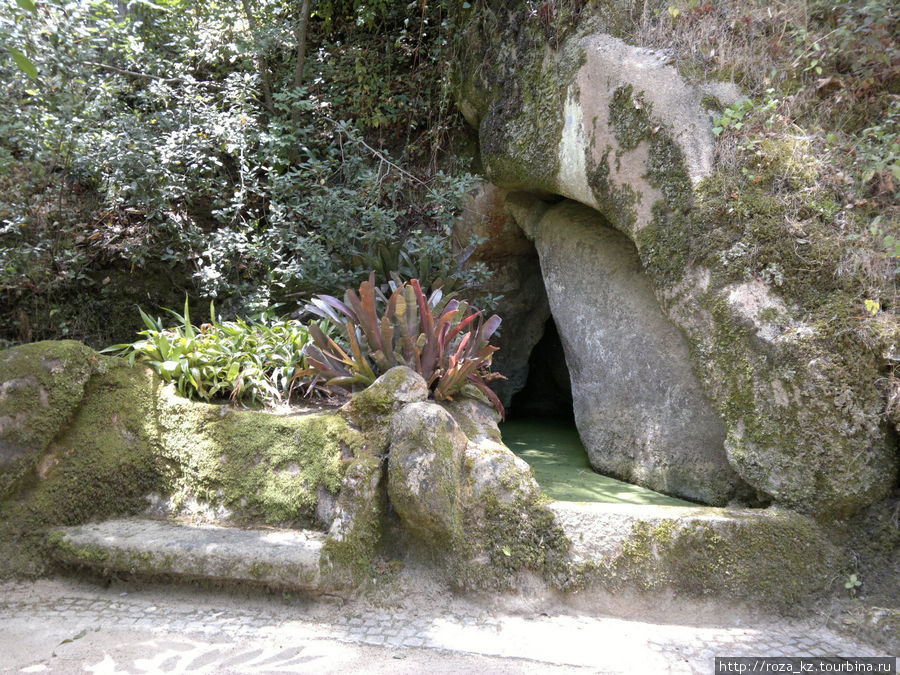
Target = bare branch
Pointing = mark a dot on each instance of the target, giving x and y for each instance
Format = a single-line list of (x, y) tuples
[(132, 73)]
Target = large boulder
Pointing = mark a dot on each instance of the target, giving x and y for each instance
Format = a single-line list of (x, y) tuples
[(41, 385), (509, 529), (640, 410), (769, 325), (467, 500), (424, 474)]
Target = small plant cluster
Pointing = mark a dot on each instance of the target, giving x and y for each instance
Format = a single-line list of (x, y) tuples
[(733, 118), (859, 48), (249, 361), (444, 340)]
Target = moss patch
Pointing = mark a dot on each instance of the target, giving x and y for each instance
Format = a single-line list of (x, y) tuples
[(778, 559), (506, 538), (102, 465), (617, 203), (354, 539), (263, 468), (41, 385), (522, 124), (629, 116)]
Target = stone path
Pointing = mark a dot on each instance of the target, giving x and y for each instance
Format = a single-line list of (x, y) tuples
[(71, 626)]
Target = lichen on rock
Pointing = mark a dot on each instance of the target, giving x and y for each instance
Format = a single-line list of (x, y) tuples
[(424, 475)]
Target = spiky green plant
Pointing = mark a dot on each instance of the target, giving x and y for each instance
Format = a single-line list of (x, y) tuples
[(247, 361), (446, 341)]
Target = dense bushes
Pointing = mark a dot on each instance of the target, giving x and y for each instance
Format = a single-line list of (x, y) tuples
[(151, 137)]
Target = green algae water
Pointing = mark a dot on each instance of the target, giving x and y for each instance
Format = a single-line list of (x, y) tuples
[(560, 463)]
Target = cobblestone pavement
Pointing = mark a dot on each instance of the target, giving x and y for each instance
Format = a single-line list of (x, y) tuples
[(72, 626)]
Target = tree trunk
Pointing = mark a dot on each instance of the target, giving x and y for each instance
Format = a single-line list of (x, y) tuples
[(301, 58), (264, 76)]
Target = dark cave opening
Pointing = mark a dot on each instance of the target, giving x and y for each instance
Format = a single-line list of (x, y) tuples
[(548, 390)]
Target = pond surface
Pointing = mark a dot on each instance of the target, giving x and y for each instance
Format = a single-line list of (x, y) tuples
[(554, 450)]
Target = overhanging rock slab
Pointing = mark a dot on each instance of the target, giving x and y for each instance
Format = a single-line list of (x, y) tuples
[(282, 558), (771, 557)]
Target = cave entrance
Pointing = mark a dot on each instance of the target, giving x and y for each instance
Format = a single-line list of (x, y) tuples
[(626, 376), (588, 342), (548, 389), (540, 425)]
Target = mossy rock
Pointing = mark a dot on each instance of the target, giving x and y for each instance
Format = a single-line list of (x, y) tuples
[(371, 408), (153, 549), (773, 557), (777, 559), (424, 475), (41, 384), (795, 371), (102, 464), (134, 444), (509, 529), (252, 466), (356, 531)]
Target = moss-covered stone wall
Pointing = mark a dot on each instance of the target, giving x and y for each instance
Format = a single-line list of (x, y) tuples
[(122, 443)]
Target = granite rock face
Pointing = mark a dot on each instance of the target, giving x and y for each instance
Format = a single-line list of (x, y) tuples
[(466, 500), (616, 128), (515, 278), (424, 472), (640, 410)]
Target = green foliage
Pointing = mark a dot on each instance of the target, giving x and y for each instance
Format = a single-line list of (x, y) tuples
[(733, 118), (878, 151), (251, 361), (146, 142), (416, 259), (889, 243), (442, 339), (860, 48), (24, 63)]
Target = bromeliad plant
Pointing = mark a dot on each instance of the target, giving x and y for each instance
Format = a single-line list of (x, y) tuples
[(248, 361), (441, 338)]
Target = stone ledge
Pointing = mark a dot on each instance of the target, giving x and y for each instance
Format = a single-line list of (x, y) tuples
[(770, 557), (281, 558)]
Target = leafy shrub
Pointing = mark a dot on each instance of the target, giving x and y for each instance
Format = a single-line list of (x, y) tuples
[(146, 142), (860, 48), (245, 360), (441, 338)]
